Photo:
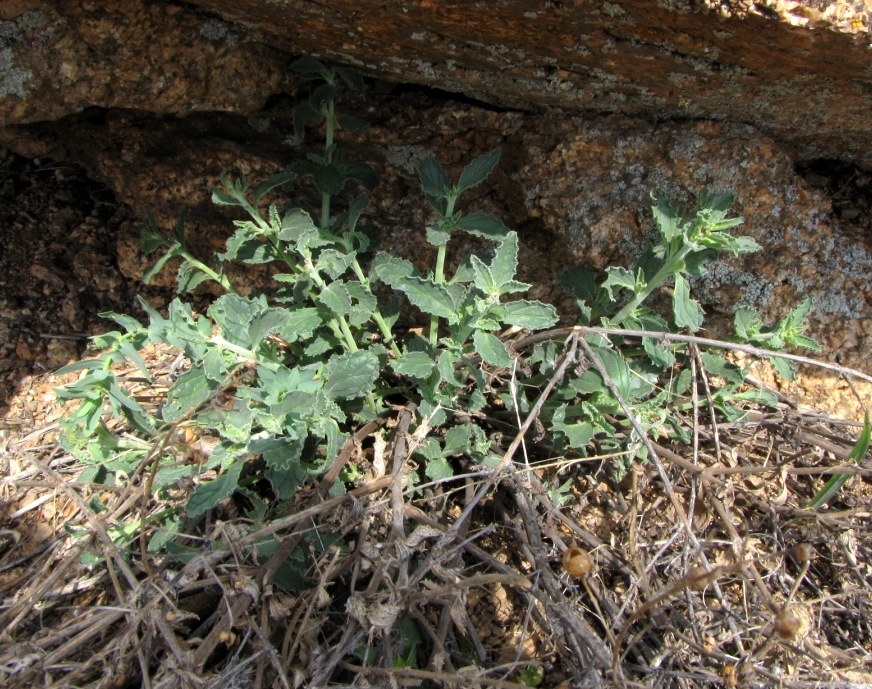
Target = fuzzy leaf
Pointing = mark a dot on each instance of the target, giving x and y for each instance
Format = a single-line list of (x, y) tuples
[(190, 390), (233, 314), (492, 350), (619, 278), (667, 217), (336, 298), (429, 297), (748, 324), (415, 365), (478, 170), (437, 237), (483, 224), (270, 184), (309, 67), (688, 313), (171, 253), (391, 270), (456, 440), (445, 364), (530, 314), (352, 78), (349, 376), (505, 261), (434, 179), (483, 278), (438, 469), (208, 495)]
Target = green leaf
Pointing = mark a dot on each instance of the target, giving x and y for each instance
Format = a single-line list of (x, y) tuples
[(581, 282), (484, 225), (438, 469), (415, 365), (658, 352), (747, 323), (430, 450), (233, 315), (158, 265), (309, 68), (79, 366), (446, 363), (208, 495), (530, 314), (150, 237), (483, 278), (301, 323), (434, 179), (716, 365), (619, 278), (336, 298), (277, 180), (835, 484), (578, 435), (285, 481), (303, 113), (429, 297), (505, 261), (456, 440), (329, 179), (233, 424), (363, 173), (266, 323), (492, 350), (191, 390), (437, 237), (128, 350), (784, 368), (667, 217), (687, 312), (478, 170), (246, 245), (189, 277), (352, 78), (298, 227), (391, 270), (348, 376), (352, 124), (355, 208)]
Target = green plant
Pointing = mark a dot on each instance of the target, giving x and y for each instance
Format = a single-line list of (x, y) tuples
[(530, 676), (281, 383)]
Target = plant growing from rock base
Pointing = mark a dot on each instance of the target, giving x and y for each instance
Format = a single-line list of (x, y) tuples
[(281, 384)]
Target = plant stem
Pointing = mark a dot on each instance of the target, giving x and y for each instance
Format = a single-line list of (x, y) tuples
[(439, 274), (376, 314), (220, 279), (330, 116), (669, 268)]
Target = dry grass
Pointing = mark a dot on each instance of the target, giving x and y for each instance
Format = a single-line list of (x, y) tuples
[(695, 558)]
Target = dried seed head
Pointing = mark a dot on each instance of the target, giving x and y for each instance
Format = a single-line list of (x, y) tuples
[(577, 562), (786, 624), (802, 552)]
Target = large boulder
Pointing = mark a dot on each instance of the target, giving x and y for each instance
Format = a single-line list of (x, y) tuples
[(799, 71)]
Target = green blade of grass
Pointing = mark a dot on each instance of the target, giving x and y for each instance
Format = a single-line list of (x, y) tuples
[(834, 485)]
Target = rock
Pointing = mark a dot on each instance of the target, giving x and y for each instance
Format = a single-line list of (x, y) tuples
[(798, 71), (155, 100), (59, 58)]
